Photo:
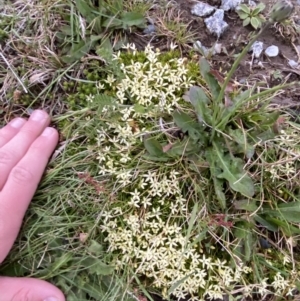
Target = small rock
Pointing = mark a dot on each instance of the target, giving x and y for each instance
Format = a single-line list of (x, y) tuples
[(202, 9), (218, 48), (204, 50), (264, 243), (293, 64), (215, 24), (230, 4), (272, 51), (149, 29), (208, 51), (252, 3), (257, 48)]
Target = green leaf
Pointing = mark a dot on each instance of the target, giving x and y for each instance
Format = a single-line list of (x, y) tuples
[(246, 22), (244, 8), (243, 15), (267, 224), (153, 147), (130, 19), (243, 146), (200, 101), (183, 121), (83, 7), (287, 211), (112, 22), (285, 227), (66, 30), (233, 172), (255, 22), (244, 232), (105, 50), (218, 183), (77, 52), (95, 248), (187, 124), (212, 83), (185, 147), (259, 8), (247, 205), (96, 266)]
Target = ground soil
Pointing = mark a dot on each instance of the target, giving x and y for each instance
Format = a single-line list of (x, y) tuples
[(234, 39)]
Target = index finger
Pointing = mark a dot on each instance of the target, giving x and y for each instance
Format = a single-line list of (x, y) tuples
[(21, 186)]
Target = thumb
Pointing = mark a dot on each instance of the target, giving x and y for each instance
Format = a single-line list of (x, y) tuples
[(28, 289)]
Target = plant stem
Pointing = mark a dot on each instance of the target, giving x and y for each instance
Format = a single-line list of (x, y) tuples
[(234, 67)]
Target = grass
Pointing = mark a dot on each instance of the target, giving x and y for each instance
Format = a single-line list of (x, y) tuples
[(159, 186)]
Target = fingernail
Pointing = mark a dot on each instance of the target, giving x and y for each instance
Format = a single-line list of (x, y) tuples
[(51, 299), (17, 123), (48, 131), (38, 115)]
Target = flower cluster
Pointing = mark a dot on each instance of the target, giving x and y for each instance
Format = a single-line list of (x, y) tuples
[(286, 148)]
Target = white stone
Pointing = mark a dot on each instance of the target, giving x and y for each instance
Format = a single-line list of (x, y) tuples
[(215, 24), (257, 48), (230, 4), (293, 64), (272, 51), (202, 9)]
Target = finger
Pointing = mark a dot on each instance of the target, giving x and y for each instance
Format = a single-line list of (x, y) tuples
[(10, 130), (16, 148), (21, 186), (25, 289)]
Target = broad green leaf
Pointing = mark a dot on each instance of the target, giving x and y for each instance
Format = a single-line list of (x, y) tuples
[(230, 113), (248, 205), (185, 147), (95, 248), (284, 226), (77, 52), (243, 15), (287, 211), (105, 50), (153, 147), (244, 232), (255, 22), (200, 101), (84, 9), (211, 82), (96, 25), (112, 22), (264, 136), (130, 19), (233, 172), (96, 266), (218, 183), (259, 8), (246, 22), (244, 8), (60, 262), (187, 124), (66, 29), (243, 146), (267, 224)]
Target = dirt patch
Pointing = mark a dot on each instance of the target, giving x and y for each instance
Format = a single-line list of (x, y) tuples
[(272, 71)]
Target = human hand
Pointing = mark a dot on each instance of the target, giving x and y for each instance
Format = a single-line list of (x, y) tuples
[(25, 148)]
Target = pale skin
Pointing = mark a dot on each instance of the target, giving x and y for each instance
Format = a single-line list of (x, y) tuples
[(25, 148)]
